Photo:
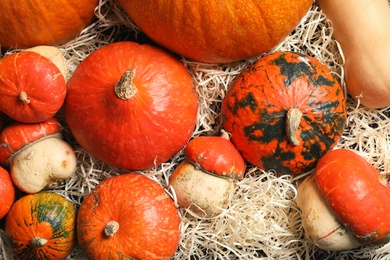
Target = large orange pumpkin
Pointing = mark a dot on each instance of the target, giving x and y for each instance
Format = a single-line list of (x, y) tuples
[(217, 31), (284, 112), (27, 23), (132, 106), (128, 217)]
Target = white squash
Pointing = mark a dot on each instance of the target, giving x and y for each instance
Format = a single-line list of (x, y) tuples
[(318, 220)]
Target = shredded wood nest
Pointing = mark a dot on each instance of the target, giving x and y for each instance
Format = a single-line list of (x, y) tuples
[(263, 220)]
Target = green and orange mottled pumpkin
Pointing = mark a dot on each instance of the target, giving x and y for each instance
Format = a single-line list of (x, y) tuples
[(41, 226), (284, 112)]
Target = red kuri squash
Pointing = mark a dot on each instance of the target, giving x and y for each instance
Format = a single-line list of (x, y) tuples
[(128, 217), (32, 88), (284, 112), (132, 106), (27, 23), (41, 226), (217, 31), (7, 192)]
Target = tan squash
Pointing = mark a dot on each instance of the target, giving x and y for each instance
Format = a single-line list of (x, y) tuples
[(362, 27)]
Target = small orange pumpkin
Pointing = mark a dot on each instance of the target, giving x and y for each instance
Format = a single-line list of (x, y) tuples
[(27, 23), (128, 217), (32, 88), (41, 226), (284, 112), (7, 192)]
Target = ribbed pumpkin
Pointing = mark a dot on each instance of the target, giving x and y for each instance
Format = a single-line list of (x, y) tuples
[(27, 23), (284, 112), (41, 226), (128, 217), (132, 106), (217, 31)]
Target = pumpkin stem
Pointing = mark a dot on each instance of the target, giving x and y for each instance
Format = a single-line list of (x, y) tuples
[(293, 120), (125, 88), (23, 97), (111, 228), (225, 134), (38, 241)]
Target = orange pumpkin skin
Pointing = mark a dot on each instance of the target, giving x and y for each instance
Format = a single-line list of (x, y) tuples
[(32, 88), (358, 194), (7, 192), (217, 155), (255, 112), (142, 130), (217, 31), (41, 226), (147, 217), (27, 23)]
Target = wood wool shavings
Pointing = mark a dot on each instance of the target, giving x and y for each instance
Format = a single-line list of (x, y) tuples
[(263, 221)]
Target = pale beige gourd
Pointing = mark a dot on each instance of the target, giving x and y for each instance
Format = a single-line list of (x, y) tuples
[(362, 27), (43, 164), (318, 220), (205, 194)]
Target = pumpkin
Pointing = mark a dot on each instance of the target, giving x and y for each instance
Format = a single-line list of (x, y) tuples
[(321, 225), (28, 23), (217, 31), (284, 112), (128, 216), (132, 106), (37, 155), (32, 88), (41, 226), (358, 194), (207, 177), (7, 192), (363, 30), (55, 55)]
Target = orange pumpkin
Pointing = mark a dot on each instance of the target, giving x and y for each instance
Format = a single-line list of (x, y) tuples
[(284, 112), (32, 88), (128, 217), (7, 192), (217, 31), (41, 226), (358, 194), (132, 106), (27, 23)]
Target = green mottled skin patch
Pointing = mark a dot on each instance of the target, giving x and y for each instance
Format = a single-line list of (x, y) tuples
[(47, 211)]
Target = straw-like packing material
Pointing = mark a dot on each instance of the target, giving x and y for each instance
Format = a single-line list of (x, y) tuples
[(263, 220)]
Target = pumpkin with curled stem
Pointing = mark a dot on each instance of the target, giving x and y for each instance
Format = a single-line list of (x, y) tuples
[(128, 217), (284, 112), (41, 226), (28, 23), (132, 106), (217, 31)]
